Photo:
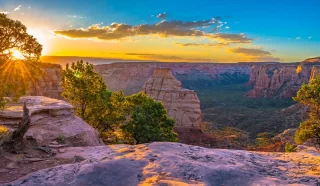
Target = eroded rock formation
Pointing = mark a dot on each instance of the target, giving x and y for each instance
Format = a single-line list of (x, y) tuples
[(51, 119), (182, 104), (49, 84), (130, 77), (281, 80)]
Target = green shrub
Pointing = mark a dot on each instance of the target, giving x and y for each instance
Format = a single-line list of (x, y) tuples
[(148, 121), (290, 148), (4, 134)]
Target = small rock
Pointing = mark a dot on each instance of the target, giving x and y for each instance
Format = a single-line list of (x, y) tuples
[(54, 143), (3, 171), (78, 159), (11, 166), (30, 160), (57, 146), (62, 150), (152, 159), (11, 158)]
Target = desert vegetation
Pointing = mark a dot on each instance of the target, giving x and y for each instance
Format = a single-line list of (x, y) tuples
[(133, 119), (309, 129), (19, 55)]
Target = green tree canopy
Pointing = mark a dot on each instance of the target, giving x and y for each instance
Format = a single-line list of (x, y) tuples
[(309, 95), (14, 36), (83, 88), (16, 74), (148, 120)]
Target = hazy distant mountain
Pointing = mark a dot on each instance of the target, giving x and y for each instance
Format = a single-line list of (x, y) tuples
[(63, 60)]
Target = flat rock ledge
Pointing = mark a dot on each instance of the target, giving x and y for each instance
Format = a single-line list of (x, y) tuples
[(51, 120), (164, 163)]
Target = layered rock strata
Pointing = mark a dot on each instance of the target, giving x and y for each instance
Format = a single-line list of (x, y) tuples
[(49, 83), (51, 120), (280, 80), (130, 77), (182, 104)]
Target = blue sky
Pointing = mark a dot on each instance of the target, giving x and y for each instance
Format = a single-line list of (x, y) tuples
[(288, 29)]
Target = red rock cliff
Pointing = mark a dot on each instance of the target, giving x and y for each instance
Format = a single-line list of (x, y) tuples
[(49, 84), (182, 104), (130, 77), (281, 80)]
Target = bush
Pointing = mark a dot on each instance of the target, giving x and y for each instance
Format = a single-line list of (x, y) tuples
[(148, 121), (310, 129), (264, 139), (4, 134), (290, 148)]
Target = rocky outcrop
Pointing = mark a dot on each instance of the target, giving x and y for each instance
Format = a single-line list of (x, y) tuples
[(130, 77), (176, 164), (312, 60), (49, 83), (280, 80), (182, 104), (51, 120)]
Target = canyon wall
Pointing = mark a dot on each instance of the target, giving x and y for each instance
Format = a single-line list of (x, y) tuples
[(49, 84), (280, 80), (182, 104), (130, 77)]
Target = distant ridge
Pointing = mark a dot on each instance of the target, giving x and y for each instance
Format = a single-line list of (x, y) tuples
[(63, 60)]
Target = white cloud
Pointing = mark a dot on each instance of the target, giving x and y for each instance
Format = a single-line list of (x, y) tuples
[(226, 27), (4, 12), (17, 8), (76, 16), (298, 38)]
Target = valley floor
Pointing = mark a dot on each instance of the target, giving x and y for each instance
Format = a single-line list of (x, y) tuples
[(164, 163)]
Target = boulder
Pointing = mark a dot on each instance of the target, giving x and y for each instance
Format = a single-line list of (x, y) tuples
[(182, 104), (51, 119)]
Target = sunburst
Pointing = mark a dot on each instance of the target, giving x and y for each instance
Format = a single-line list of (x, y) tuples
[(16, 54), (17, 75)]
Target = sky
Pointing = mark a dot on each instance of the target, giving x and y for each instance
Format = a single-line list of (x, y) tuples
[(179, 30)]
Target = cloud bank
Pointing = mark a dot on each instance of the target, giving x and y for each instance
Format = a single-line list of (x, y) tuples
[(163, 28), (255, 54)]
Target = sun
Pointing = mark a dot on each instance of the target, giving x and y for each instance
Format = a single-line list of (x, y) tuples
[(16, 54)]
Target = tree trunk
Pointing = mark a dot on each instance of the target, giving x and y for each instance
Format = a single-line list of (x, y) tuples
[(16, 139)]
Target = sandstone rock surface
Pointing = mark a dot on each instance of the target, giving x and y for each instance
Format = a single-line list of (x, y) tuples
[(49, 84), (281, 80), (130, 77), (165, 163), (182, 104), (51, 119)]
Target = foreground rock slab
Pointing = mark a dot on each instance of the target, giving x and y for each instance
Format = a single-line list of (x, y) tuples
[(51, 120), (176, 164)]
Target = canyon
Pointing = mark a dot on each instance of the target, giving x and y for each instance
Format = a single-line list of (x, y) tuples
[(267, 79), (130, 77)]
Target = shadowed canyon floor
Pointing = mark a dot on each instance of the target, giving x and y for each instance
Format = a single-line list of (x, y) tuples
[(177, 164)]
